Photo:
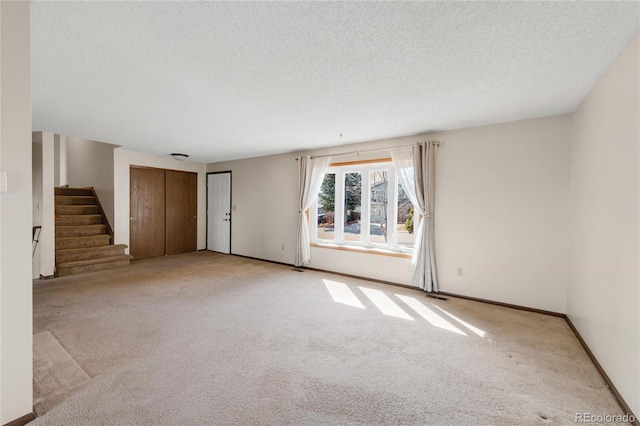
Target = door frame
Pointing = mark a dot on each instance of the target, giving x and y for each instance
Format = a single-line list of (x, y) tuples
[(206, 184)]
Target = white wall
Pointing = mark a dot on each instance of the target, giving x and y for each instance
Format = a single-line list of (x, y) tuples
[(603, 294), (501, 212), (60, 146), (47, 243), (60, 160), (16, 326), (263, 196), (36, 201), (374, 266), (90, 163), (122, 161), (56, 161), (43, 203)]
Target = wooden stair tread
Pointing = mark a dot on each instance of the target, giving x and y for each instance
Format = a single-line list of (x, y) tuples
[(76, 209), (79, 219), (95, 248), (73, 191), (106, 259), (94, 225), (82, 237), (83, 197)]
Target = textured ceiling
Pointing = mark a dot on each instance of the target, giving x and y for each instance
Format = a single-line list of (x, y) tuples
[(223, 80)]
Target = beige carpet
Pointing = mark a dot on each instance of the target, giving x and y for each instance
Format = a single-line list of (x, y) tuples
[(204, 338), (54, 370)]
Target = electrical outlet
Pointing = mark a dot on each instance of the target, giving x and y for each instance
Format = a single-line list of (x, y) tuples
[(460, 271), (283, 247)]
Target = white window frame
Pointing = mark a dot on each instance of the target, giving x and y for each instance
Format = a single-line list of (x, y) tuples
[(392, 208)]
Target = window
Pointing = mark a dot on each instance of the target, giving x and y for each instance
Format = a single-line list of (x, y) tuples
[(363, 205), (326, 209), (352, 207)]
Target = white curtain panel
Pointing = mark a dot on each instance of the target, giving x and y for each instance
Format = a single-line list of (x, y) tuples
[(424, 163), (402, 159), (311, 174), (415, 167)]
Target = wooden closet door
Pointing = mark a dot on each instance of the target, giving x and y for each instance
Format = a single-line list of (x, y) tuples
[(182, 212), (147, 221)]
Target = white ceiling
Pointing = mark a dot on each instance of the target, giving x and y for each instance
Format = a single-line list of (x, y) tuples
[(225, 80)]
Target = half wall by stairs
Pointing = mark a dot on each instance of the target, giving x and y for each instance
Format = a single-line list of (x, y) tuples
[(84, 240)]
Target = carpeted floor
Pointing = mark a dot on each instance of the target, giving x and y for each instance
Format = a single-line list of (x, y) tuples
[(203, 338)]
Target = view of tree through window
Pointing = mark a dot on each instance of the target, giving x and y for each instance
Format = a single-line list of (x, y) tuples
[(352, 206), (404, 235), (326, 208)]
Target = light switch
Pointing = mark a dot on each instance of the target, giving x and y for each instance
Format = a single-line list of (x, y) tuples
[(3, 181)]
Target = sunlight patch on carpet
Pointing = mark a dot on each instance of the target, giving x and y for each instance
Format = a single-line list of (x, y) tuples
[(385, 304), (471, 328), (341, 293), (426, 313), (53, 367)]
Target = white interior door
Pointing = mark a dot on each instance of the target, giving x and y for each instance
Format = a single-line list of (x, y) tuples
[(219, 212)]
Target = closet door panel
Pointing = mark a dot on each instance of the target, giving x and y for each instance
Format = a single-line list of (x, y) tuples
[(181, 212), (147, 214)]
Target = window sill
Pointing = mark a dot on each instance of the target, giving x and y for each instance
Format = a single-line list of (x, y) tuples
[(364, 250)]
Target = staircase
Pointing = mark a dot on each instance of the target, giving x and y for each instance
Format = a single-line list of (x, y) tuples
[(84, 239)]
